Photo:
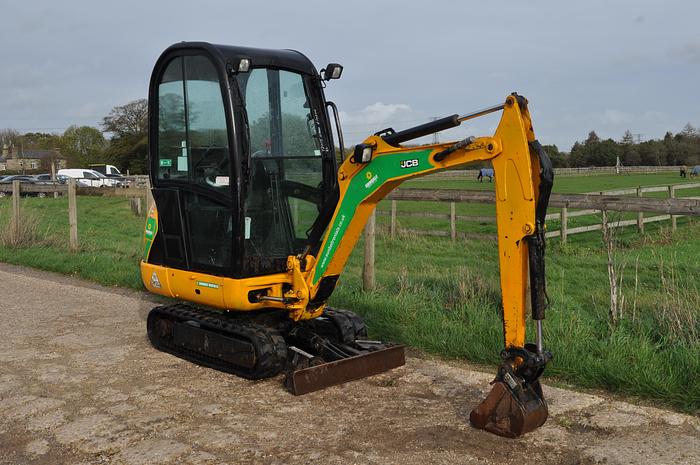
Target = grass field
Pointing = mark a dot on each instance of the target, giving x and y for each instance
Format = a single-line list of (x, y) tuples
[(564, 184), (443, 297)]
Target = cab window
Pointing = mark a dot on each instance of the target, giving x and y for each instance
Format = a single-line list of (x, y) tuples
[(285, 189), (192, 135)]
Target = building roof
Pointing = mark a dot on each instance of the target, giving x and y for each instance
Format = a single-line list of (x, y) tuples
[(33, 154)]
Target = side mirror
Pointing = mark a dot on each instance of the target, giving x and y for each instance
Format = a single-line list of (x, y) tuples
[(331, 71)]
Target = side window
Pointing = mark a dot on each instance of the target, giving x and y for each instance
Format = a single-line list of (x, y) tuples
[(257, 100), (299, 136), (172, 132), (89, 175), (193, 139), (206, 124)]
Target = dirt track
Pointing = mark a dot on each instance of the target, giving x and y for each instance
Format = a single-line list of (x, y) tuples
[(80, 384)]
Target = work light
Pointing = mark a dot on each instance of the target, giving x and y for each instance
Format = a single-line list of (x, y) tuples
[(243, 65)]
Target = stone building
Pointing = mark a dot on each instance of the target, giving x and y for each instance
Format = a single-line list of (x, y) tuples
[(17, 159)]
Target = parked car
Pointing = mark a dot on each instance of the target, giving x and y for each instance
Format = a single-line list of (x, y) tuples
[(87, 178), (61, 179), (6, 182)]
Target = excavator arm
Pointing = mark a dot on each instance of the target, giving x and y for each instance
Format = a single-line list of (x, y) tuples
[(523, 181)]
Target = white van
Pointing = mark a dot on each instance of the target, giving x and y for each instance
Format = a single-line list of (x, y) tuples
[(107, 170), (87, 178)]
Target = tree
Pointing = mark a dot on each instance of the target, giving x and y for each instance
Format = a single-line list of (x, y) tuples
[(9, 137), (559, 159), (41, 141), (628, 138), (592, 138), (82, 145), (128, 119), (128, 124), (689, 131)]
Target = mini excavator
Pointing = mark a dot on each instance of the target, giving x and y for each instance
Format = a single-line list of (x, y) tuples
[(255, 218)]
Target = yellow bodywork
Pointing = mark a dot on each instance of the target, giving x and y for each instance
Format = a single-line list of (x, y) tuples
[(516, 173)]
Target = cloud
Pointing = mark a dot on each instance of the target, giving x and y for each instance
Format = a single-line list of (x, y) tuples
[(688, 53), (377, 116), (616, 117)]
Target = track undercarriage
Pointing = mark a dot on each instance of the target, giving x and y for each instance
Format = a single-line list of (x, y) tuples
[(315, 354)]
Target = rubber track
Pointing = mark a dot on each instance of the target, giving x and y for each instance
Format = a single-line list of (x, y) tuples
[(270, 347), (349, 324)]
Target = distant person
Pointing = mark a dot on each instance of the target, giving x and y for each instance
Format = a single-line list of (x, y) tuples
[(684, 171), (488, 172), (695, 172)]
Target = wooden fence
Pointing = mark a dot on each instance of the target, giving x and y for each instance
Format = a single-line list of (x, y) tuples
[(589, 204), (17, 189), (583, 171)]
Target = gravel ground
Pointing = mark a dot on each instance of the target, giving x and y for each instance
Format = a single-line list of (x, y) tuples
[(80, 384)]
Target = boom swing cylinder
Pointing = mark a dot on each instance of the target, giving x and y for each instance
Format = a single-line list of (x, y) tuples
[(254, 217)]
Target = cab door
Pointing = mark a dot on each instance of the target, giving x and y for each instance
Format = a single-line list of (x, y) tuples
[(191, 167)]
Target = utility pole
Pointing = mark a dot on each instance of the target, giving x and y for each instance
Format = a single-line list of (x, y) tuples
[(436, 135)]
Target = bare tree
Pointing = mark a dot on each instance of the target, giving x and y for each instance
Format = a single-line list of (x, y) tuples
[(9, 137), (127, 120), (615, 270)]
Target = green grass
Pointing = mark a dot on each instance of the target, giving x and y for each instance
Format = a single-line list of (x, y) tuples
[(444, 297), (564, 184), (109, 234)]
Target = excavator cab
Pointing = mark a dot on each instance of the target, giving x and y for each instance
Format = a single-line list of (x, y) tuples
[(244, 159), (254, 221)]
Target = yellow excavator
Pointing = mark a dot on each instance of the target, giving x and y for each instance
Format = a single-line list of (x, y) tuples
[(255, 217)]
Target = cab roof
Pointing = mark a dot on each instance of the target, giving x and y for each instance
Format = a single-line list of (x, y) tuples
[(259, 57)]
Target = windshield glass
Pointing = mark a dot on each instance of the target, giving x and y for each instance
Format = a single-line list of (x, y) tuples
[(285, 190)]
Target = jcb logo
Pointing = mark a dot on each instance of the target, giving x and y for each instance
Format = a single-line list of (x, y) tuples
[(409, 163)]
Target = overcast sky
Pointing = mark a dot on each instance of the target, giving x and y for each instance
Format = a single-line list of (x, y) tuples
[(602, 65)]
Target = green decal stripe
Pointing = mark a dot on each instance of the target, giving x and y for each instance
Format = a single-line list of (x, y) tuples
[(206, 284), (381, 169), (149, 234)]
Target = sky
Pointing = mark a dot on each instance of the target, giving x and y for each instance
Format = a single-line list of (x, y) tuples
[(608, 66)]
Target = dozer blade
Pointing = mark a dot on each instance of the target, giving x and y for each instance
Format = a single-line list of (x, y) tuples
[(321, 376), (511, 412)]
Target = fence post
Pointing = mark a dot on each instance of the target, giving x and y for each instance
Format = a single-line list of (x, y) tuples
[(135, 204), (393, 218), (640, 215), (672, 195), (149, 196), (53, 178), (453, 221), (368, 268), (14, 227), (604, 224), (72, 216), (564, 221)]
